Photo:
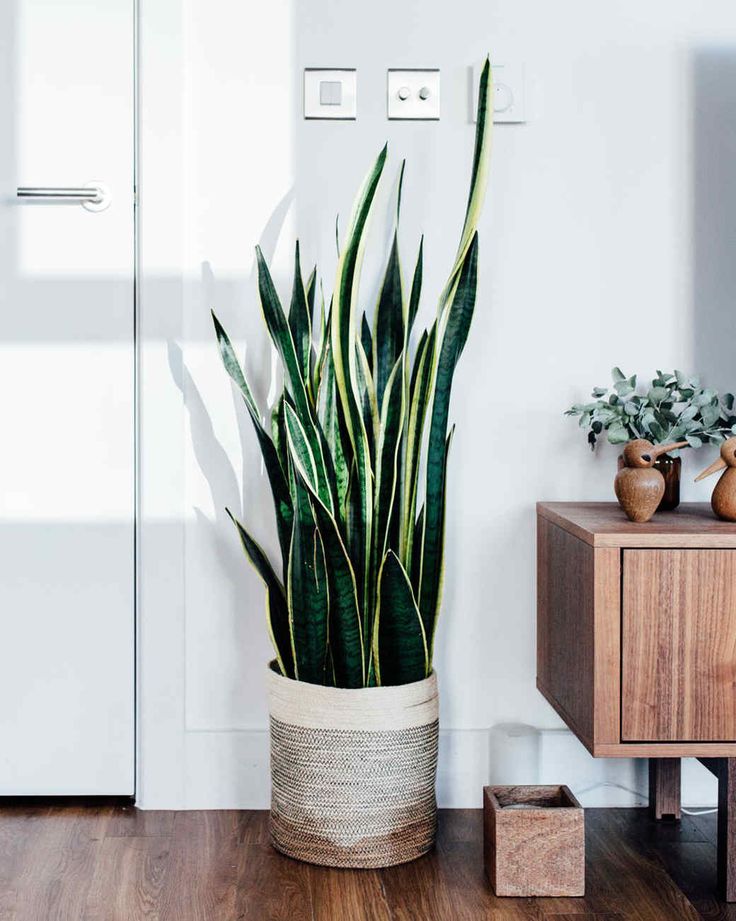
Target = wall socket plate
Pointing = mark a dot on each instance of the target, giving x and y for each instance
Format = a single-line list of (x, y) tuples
[(508, 93), (413, 94), (330, 93)]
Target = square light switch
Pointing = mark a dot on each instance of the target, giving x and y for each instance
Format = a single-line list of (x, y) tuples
[(330, 93), (414, 94)]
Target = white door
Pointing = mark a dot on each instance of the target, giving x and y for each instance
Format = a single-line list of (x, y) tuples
[(66, 400)]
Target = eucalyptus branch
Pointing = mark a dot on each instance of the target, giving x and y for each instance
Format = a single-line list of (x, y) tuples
[(674, 408)]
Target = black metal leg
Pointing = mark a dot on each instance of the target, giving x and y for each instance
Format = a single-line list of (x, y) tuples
[(725, 771)]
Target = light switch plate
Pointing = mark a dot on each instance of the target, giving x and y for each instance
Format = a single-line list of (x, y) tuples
[(330, 93), (413, 94), (508, 93)]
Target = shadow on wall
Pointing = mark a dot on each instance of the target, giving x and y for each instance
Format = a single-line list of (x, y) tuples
[(236, 606), (713, 79)]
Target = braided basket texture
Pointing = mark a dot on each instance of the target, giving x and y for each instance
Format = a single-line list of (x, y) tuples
[(353, 772)]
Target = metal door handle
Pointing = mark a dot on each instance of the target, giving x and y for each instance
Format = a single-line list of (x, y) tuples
[(94, 196)]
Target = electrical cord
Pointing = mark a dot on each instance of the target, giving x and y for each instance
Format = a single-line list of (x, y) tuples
[(620, 786)]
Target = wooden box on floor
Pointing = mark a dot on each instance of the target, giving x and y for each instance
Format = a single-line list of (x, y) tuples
[(538, 849)]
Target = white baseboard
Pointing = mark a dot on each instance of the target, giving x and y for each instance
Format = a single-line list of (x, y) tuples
[(230, 769)]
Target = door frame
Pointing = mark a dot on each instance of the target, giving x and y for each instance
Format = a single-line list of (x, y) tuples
[(159, 413)]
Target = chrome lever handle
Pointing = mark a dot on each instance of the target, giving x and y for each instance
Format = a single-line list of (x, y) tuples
[(94, 196)]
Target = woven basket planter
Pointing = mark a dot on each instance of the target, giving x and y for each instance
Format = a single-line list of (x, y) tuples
[(353, 772)]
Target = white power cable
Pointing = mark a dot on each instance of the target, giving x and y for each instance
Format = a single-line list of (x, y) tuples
[(620, 786)]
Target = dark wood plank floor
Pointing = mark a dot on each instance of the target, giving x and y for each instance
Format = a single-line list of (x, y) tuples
[(112, 863)]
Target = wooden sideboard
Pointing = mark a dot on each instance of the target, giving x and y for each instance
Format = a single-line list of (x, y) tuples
[(636, 643)]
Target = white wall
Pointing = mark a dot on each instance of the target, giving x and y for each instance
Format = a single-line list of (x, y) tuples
[(605, 240)]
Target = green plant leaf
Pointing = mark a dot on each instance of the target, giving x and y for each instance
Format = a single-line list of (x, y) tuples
[(368, 401), (387, 454), (278, 434), (300, 319), (710, 415), (418, 403), (277, 614), (440, 575), (299, 446), (416, 287), (416, 555), (345, 626), (311, 289), (617, 435), (269, 452), (450, 344), (322, 348), (333, 436), (478, 179), (366, 339), (399, 642), (389, 331), (307, 592), (658, 394), (344, 352), (280, 333)]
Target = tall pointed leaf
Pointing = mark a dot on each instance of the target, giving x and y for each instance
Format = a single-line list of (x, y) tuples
[(366, 339), (399, 642), (333, 436), (387, 453), (449, 348), (346, 639), (300, 318), (271, 461), (310, 289), (343, 343), (416, 555), (307, 594), (299, 445), (478, 179), (387, 472), (416, 286), (324, 346), (368, 401), (277, 613), (389, 323), (418, 402), (318, 339), (280, 332), (278, 433)]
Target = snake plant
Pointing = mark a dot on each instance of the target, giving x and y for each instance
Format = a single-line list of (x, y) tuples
[(356, 598)]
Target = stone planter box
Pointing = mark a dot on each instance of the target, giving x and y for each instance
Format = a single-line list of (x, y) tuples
[(534, 841)]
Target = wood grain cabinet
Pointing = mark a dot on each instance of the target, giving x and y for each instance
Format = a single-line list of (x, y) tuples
[(636, 641)]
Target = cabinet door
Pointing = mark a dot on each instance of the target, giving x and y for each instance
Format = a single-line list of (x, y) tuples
[(679, 645)]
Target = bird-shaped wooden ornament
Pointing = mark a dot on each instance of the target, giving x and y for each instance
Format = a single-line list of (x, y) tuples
[(639, 487), (723, 500)]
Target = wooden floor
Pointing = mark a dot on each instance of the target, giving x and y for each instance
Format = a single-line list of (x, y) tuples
[(118, 864)]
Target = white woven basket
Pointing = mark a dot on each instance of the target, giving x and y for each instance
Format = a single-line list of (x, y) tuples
[(353, 772)]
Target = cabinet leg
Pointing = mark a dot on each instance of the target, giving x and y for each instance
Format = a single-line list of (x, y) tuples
[(727, 829), (664, 788), (725, 770)]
